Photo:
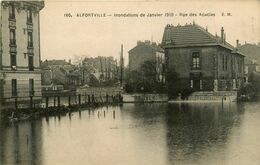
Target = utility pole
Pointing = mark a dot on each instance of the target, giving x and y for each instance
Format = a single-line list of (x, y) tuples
[(121, 66)]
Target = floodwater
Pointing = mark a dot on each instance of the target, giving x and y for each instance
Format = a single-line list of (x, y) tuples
[(132, 134)]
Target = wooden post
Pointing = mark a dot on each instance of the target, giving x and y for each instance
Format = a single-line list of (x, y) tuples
[(31, 102), (69, 101), (85, 98), (58, 101), (47, 102), (114, 114), (79, 97), (54, 101), (15, 103), (88, 98), (93, 99)]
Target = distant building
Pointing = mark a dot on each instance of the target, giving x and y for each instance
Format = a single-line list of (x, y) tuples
[(60, 72), (251, 66), (203, 62), (102, 68), (20, 76), (148, 51), (252, 51)]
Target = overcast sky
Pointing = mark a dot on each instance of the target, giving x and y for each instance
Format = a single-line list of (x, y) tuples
[(63, 37)]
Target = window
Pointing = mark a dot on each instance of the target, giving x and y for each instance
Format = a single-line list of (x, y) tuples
[(12, 11), (31, 87), (30, 39), (29, 16), (13, 61), (223, 62), (226, 62), (12, 37), (14, 87), (30, 63), (195, 60)]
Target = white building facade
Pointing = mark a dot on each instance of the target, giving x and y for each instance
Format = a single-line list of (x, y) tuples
[(20, 74)]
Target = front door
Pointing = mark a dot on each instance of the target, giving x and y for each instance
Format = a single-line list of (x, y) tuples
[(196, 84)]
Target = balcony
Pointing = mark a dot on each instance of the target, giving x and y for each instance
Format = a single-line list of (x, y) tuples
[(13, 46), (12, 23), (13, 49)]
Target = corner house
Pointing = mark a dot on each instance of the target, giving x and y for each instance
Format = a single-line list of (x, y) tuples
[(20, 75), (202, 61)]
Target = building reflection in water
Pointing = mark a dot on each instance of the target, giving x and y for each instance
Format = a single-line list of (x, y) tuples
[(194, 130), (20, 143), (201, 133)]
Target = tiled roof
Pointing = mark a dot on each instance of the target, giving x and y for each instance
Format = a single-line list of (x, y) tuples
[(150, 45), (55, 62), (252, 51), (156, 47), (190, 35)]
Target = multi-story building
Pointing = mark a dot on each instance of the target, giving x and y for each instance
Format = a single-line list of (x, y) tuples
[(148, 51), (202, 61), (60, 72), (103, 68), (20, 76)]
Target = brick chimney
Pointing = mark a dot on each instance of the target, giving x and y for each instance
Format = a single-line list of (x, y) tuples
[(224, 38), (222, 34), (237, 44)]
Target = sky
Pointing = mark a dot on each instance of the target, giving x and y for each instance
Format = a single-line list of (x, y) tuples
[(72, 37)]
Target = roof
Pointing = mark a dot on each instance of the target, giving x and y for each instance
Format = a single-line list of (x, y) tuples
[(252, 51), (55, 62), (148, 44), (192, 35)]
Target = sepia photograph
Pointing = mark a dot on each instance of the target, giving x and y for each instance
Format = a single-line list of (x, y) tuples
[(129, 82)]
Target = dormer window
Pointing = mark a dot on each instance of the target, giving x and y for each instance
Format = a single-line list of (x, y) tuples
[(11, 11)]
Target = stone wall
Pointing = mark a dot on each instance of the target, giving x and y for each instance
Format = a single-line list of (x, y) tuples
[(130, 98)]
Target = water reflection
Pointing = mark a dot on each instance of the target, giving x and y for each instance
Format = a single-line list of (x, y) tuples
[(20, 143), (193, 130), (137, 134)]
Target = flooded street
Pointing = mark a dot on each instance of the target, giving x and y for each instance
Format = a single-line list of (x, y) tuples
[(145, 134)]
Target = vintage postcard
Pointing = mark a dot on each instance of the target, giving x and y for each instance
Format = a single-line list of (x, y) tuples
[(129, 82)]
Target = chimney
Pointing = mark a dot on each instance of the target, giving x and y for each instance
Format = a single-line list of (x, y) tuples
[(237, 43), (222, 34), (224, 38), (69, 61)]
